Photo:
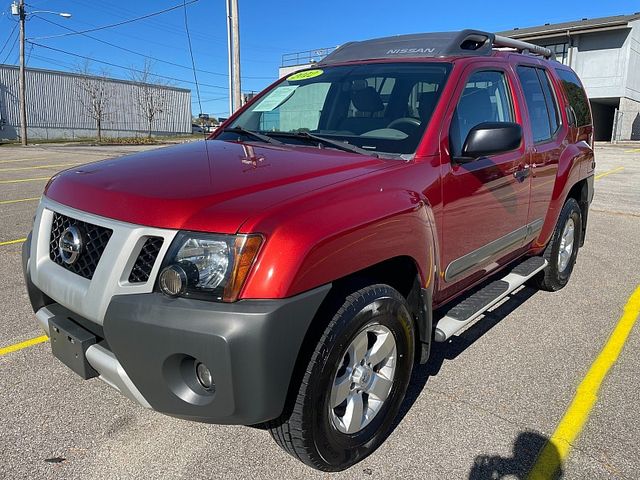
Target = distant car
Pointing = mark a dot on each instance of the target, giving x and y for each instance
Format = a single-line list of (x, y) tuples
[(195, 128)]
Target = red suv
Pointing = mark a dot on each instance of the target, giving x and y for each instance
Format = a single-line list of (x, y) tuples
[(289, 271)]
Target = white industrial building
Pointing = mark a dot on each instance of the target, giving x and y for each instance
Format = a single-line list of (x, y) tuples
[(59, 106)]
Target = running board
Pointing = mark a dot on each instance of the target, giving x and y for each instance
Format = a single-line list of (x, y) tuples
[(474, 305)]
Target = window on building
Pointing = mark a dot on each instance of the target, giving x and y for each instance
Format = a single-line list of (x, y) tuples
[(485, 98), (576, 96)]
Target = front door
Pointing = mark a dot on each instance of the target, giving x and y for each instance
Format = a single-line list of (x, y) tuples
[(485, 202)]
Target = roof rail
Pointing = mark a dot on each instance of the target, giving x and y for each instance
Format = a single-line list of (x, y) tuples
[(500, 41)]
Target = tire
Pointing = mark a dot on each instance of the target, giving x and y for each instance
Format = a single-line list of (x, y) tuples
[(557, 273), (331, 438)]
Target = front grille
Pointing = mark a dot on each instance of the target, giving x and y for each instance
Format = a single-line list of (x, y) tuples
[(146, 259), (95, 239)]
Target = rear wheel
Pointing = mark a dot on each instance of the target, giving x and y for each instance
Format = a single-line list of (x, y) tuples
[(354, 383), (562, 250)]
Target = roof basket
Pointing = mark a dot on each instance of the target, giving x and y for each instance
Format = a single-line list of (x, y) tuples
[(442, 44)]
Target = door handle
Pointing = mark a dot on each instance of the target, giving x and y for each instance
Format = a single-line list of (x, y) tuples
[(523, 173)]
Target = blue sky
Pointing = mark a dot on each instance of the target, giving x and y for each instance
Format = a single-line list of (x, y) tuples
[(268, 29)]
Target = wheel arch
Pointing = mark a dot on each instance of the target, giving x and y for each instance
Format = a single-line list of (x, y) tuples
[(580, 192)]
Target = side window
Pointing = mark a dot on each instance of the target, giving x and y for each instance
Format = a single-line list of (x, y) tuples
[(576, 96), (536, 103), (550, 99), (485, 98)]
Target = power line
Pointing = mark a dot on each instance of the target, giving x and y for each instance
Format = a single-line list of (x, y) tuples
[(147, 40), (121, 12), (15, 40), (124, 22), (9, 38), (193, 62), (214, 99), (142, 54), (121, 66)]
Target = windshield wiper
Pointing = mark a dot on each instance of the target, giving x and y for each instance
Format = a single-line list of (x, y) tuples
[(347, 147), (251, 133)]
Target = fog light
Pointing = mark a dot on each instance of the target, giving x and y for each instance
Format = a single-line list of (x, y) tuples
[(204, 376), (173, 280)]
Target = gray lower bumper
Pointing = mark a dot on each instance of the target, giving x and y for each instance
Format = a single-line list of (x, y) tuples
[(104, 362), (250, 347)]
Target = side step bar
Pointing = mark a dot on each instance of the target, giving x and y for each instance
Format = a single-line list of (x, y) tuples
[(472, 306)]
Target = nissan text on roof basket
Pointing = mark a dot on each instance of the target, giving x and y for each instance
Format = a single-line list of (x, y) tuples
[(291, 270)]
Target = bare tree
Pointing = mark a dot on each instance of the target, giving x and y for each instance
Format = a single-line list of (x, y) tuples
[(151, 96), (94, 92)]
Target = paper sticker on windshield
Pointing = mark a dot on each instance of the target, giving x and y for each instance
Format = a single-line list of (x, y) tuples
[(275, 98), (306, 75)]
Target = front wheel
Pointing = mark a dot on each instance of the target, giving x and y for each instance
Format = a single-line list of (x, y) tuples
[(562, 250), (354, 383)]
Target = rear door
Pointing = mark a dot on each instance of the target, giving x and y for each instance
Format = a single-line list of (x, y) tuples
[(485, 202), (545, 142)]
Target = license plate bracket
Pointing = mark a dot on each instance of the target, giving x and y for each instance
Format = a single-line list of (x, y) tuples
[(69, 344)]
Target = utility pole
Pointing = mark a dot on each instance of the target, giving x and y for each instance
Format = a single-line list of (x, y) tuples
[(22, 82), (229, 55), (235, 24), (17, 10), (233, 44)]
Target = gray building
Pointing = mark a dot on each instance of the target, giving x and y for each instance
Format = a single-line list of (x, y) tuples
[(60, 105), (605, 53)]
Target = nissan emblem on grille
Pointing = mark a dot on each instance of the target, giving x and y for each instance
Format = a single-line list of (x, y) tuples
[(65, 231), (70, 244)]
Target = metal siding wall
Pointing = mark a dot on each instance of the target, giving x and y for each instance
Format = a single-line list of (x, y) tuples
[(54, 109)]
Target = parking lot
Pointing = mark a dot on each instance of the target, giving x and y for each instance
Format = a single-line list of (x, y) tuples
[(483, 407)]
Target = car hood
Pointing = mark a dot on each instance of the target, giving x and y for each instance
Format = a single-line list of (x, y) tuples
[(211, 185)]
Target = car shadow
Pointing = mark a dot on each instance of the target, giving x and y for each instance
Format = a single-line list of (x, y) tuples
[(526, 448), (457, 345)]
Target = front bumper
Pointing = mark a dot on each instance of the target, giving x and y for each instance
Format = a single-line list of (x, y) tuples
[(148, 347)]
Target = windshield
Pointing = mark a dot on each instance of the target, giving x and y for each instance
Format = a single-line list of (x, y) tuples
[(381, 108)]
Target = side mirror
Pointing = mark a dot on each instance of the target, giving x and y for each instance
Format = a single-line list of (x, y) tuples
[(490, 138)]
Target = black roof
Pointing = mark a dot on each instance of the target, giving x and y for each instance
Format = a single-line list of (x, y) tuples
[(441, 44), (553, 29)]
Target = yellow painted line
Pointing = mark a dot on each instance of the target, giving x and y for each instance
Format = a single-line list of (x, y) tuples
[(15, 169), (22, 180), (634, 150), (19, 200), (21, 345), (19, 160), (559, 445), (609, 172), (12, 242)]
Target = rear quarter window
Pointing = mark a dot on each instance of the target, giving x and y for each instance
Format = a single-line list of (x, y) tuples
[(576, 96)]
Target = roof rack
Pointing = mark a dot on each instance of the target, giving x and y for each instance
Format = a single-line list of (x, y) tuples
[(524, 47), (441, 44)]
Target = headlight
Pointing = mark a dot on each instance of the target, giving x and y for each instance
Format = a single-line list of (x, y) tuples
[(208, 267)]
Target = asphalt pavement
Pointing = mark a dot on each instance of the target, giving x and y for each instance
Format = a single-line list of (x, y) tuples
[(482, 408)]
